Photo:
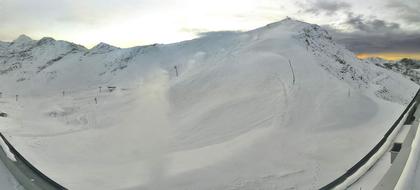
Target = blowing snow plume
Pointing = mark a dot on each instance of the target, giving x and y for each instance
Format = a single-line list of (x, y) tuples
[(145, 129)]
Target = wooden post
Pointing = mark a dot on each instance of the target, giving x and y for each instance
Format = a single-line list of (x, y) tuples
[(293, 72)]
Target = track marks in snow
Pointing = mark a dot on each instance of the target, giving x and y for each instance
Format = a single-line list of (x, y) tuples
[(267, 182), (281, 108)]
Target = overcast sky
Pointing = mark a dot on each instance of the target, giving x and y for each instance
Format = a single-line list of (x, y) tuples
[(368, 26)]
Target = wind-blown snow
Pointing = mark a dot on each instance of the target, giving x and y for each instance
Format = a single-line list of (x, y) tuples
[(231, 119)]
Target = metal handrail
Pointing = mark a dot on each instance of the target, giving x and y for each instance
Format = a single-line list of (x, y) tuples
[(372, 152), (27, 174)]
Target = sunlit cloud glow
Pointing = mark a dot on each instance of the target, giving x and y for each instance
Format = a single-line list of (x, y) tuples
[(390, 56)]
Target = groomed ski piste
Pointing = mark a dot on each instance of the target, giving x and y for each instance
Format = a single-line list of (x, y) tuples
[(279, 107)]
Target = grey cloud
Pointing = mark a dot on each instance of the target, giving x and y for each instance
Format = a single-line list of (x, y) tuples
[(409, 10), (375, 25), (375, 36), (325, 6), (395, 42)]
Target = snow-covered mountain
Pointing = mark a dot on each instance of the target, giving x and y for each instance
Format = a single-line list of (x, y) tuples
[(48, 61), (281, 106), (407, 67)]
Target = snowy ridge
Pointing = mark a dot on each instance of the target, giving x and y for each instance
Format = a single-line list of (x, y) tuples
[(407, 67), (102, 48), (184, 112), (25, 58), (347, 67), (21, 43)]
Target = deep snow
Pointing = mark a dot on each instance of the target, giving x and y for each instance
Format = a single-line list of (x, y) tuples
[(232, 119)]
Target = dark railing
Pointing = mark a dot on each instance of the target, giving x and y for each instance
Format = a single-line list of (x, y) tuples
[(26, 174), (372, 152)]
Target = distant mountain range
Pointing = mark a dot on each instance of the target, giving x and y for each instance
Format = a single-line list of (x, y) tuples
[(406, 66)]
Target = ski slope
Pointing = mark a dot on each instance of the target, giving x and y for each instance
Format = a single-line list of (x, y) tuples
[(232, 119)]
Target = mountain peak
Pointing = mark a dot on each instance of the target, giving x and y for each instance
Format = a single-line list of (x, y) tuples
[(21, 43), (290, 25), (46, 40), (377, 60), (297, 28), (287, 21), (408, 61), (22, 39), (102, 45), (102, 48)]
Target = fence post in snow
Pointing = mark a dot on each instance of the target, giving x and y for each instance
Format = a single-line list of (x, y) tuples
[(96, 100), (100, 89), (176, 70), (293, 72), (17, 96)]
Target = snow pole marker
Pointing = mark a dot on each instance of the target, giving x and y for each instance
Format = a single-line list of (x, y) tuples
[(293, 72)]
